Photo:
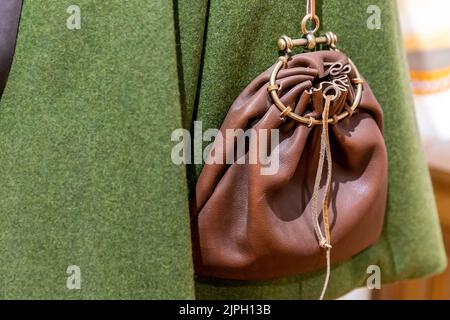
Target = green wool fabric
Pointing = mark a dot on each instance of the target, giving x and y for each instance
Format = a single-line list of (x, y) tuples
[(85, 168), (85, 162)]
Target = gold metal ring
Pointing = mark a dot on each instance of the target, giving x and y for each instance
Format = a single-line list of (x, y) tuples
[(311, 121), (285, 112), (314, 19), (273, 87)]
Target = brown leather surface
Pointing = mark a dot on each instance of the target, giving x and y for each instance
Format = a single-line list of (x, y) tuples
[(249, 226), (9, 23)]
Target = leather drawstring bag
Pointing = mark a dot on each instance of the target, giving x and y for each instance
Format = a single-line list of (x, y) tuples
[(329, 191)]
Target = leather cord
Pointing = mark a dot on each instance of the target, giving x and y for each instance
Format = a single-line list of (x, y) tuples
[(9, 24), (325, 153), (311, 7)]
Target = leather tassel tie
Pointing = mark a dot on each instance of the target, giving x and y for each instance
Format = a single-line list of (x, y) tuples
[(325, 152)]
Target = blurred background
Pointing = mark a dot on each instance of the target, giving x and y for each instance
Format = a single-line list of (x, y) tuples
[(426, 37)]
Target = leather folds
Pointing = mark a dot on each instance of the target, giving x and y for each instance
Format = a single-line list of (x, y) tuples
[(250, 225)]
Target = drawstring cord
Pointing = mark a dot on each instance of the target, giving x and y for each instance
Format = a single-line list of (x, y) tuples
[(325, 152)]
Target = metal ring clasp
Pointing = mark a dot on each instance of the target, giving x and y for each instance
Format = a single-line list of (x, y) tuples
[(314, 19)]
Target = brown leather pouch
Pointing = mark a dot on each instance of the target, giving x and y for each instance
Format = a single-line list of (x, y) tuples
[(252, 226)]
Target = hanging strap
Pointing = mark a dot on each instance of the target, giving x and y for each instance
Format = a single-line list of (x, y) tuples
[(311, 8), (9, 24)]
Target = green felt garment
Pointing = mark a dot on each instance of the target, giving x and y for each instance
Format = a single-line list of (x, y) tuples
[(86, 119)]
